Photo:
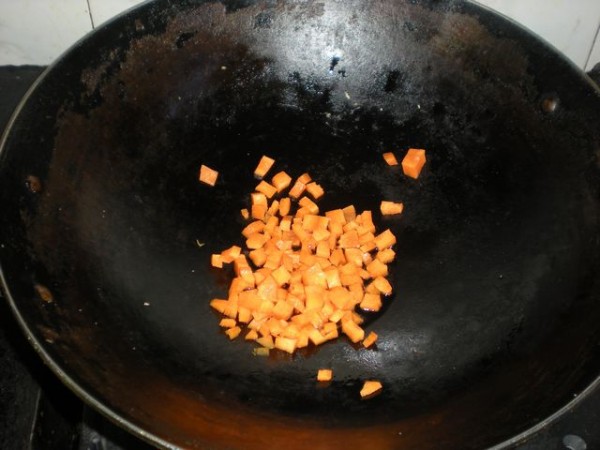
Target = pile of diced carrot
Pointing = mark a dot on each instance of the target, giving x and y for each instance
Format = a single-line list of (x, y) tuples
[(303, 273)]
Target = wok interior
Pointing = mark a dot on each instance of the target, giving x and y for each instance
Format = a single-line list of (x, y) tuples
[(494, 321)]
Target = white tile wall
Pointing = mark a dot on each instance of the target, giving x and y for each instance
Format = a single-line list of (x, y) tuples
[(569, 25), (595, 55), (37, 31)]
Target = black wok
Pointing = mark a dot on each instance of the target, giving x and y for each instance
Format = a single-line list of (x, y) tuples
[(494, 327)]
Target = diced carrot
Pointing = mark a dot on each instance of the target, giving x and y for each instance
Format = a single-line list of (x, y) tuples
[(390, 158), (315, 190), (332, 277), (281, 181), (349, 240), (258, 212), (285, 344), (385, 240), (252, 335), (371, 302), (390, 208), (258, 198), (252, 228), (413, 162), (218, 304), (207, 175), (281, 275), (284, 206), (354, 332), (233, 332), (266, 341), (245, 213), (273, 208), (336, 215), (263, 166), (229, 255), (256, 240), (382, 285), (265, 188), (216, 261), (370, 387), (354, 256), (324, 375), (377, 269), (305, 178), (349, 213), (309, 204), (297, 189), (386, 255), (227, 323), (303, 274), (370, 339)]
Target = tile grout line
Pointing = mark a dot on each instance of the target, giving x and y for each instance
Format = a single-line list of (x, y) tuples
[(595, 41), (90, 14)]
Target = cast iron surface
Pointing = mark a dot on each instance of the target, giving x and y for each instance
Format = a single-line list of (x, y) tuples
[(494, 322)]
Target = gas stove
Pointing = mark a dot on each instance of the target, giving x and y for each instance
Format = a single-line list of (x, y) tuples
[(37, 412)]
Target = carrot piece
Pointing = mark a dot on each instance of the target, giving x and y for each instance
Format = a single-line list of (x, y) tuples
[(227, 323), (263, 166), (390, 158), (245, 213), (370, 387), (207, 175), (265, 188), (349, 239), (252, 335), (324, 375), (323, 250), (354, 332), (218, 304), (216, 261), (332, 277), (316, 337), (233, 332), (337, 257), (336, 215), (281, 181), (259, 198), (256, 240), (229, 255), (281, 275), (371, 302), (253, 227), (315, 190), (297, 189), (385, 240), (349, 213), (266, 341), (377, 269), (354, 256), (370, 339), (382, 285), (309, 204), (413, 162), (258, 212), (388, 208), (285, 344), (386, 255), (284, 206), (283, 310), (305, 178), (341, 298), (273, 208)]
